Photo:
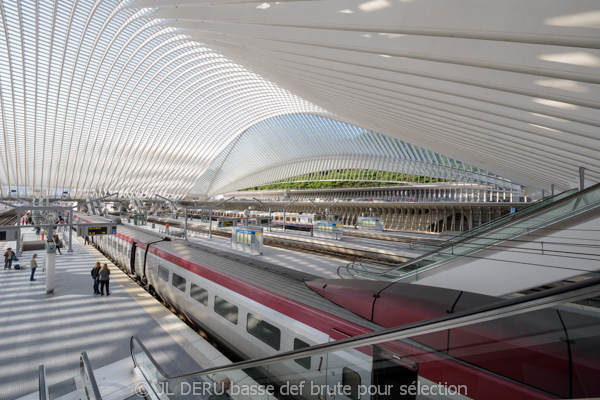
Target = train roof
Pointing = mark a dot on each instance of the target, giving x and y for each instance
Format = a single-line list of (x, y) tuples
[(257, 275)]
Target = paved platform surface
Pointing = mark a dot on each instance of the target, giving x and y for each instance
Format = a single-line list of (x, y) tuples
[(53, 329), (324, 267)]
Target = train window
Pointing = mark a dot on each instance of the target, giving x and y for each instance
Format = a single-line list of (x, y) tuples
[(304, 361), (293, 219), (178, 282), (287, 219), (227, 310), (163, 273), (351, 379), (264, 331), (199, 294)]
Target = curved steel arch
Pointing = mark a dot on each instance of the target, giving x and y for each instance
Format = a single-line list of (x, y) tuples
[(129, 99), (325, 145)]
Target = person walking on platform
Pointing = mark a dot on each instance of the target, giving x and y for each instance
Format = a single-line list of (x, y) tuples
[(95, 276), (8, 258), (33, 266), (104, 278), (58, 244)]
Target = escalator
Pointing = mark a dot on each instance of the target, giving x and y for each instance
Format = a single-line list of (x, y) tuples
[(538, 220)]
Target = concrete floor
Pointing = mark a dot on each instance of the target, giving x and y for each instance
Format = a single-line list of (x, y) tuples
[(53, 329)]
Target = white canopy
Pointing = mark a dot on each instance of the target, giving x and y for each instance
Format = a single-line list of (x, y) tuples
[(143, 97)]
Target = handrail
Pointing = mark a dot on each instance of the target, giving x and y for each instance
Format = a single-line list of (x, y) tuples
[(449, 242), (43, 388), (85, 370), (505, 308), (509, 217), (509, 220)]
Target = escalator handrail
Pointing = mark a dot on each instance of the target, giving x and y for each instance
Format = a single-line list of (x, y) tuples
[(522, 213), (448, 243), (504, 308), (43, 387), (508, 221), (85, 367)]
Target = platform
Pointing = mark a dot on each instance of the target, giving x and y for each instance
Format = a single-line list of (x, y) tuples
[(53, 329), (321, 266), (367, 248)]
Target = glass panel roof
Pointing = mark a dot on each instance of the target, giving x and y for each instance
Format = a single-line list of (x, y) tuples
[(158, 96)]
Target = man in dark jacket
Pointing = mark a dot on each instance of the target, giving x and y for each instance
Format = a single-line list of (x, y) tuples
[(8, 258)]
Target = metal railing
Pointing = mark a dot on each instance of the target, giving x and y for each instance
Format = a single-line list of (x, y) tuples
[(504, 228), (587, 289), (43, 387), (87, 378)]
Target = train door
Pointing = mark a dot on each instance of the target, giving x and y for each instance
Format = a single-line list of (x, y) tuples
[(348, 371), (132, 259), (392, 376)]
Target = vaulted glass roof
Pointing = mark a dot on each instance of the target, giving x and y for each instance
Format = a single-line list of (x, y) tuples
[(152, 96)]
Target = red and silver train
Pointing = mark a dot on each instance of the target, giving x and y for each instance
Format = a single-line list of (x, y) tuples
[(225, 218), (258, 309)]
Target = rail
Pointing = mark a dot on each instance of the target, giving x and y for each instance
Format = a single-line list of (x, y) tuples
[(511, 217), (588, 289), (87, 378), (383, 267), (43, 387), (505, 228)]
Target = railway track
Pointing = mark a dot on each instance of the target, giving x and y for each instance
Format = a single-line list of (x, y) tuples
[(8, 218)]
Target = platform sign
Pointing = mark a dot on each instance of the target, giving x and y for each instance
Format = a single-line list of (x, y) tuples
[(327, 230), (205, 214), (98, 230), (247, 238), (370, 223)]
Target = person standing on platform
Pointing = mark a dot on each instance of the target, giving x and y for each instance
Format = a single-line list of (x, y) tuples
[(104, 278), (33, 266), (8, 258), (87, 239), (95, 276)]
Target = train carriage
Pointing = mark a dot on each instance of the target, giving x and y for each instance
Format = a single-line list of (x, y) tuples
[(259, 310)]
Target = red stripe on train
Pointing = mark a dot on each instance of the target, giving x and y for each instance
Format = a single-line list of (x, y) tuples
[(432, 366)]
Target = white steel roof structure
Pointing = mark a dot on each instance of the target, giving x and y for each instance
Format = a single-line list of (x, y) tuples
[(293, 145), (154, 96)]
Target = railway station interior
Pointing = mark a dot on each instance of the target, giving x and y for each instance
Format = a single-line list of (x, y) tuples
[(299, 199)]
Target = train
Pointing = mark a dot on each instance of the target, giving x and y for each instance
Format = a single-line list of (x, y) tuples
[(229, 218), (258, 309)]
